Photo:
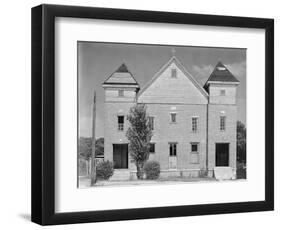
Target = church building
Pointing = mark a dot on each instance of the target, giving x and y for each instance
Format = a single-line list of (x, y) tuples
[(194, 127)]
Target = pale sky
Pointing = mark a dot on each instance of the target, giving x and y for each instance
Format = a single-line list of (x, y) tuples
[(97, 61)]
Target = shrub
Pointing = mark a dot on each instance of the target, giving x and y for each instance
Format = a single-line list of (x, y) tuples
[(104, 170), (152, 170)]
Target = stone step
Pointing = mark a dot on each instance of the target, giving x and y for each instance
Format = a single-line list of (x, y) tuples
[(120, 174)]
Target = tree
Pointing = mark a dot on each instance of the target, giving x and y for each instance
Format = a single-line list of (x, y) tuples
[(100, 146), (241, 142), (85, 147), (139, 135)]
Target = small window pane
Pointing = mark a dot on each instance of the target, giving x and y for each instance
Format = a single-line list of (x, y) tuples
[(222, 123), (173, 117), (173, 149), (194, 124), (120, 93), (174, 73), (222, 92), (152, 148), (194, 147), (121, 123)]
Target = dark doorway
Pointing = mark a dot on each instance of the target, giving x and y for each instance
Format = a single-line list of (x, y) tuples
[(120, 156), (222, 154)]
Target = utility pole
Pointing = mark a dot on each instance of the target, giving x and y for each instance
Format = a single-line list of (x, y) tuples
[(93, 161)]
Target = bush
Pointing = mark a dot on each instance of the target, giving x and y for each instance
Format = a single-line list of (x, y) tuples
[(152, 170), (104, 170)]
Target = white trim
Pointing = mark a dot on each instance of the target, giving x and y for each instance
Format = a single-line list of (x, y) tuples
[(114, 86), (223, 83)]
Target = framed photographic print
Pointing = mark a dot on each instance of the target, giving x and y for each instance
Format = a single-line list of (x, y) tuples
[(141, 114)]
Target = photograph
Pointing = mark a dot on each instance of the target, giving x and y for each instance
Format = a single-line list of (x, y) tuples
[(160, 114), (144, 114)]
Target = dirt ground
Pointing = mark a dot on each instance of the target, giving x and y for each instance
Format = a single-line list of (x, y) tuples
[(84, 182)]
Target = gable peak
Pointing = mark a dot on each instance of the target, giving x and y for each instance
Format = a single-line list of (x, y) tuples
[(122, 69), (122, 76)]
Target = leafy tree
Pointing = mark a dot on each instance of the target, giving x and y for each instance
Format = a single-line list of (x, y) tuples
[(139, 135), (241, 142), (99, 147), (85, 147)]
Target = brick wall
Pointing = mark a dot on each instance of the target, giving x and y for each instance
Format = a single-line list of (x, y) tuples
[(179, 132), (217, 136)]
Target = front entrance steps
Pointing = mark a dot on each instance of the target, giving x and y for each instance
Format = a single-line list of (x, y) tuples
[(120, 175)]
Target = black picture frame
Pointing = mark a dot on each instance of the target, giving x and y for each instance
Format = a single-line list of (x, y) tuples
[(43, 114)]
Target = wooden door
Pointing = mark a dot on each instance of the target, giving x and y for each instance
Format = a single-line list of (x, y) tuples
[(222, 154), (120, 156)]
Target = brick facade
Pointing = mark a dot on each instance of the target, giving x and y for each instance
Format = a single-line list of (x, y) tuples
[(184, 97)]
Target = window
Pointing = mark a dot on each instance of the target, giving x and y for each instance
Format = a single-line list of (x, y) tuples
[(194, 147), (222, 92), (151, 122), (174, 73), (173, 149), (121, 123), (152, 148), (194, 124), (121, 93), (173, 117), (222, 123)]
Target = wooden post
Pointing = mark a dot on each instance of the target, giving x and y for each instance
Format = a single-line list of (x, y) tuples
[(93, 160)]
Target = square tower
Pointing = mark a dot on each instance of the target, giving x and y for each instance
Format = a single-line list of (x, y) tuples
[(120, 95), (222, 118)]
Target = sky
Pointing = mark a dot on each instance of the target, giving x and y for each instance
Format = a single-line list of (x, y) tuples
[(97, 61)]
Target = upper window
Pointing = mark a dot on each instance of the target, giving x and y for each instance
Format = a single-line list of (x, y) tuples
[(151, 122), (120, 93), (173, 149), (222, 123), (222, 92), (173, 117), (152, 147), (174, 73), (194, 124), (121, 123)]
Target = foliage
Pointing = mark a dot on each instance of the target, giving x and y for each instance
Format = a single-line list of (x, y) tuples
[(241, 142), (85, 147), (104, 170), (241, 171), (152, 170), (139, 135)]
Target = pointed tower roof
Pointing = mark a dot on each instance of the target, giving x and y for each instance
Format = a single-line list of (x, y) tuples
[(221, 74), (122, 76)]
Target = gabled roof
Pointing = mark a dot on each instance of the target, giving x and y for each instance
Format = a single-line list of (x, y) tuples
[(122, 76), (221, 74), (181, 67)]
